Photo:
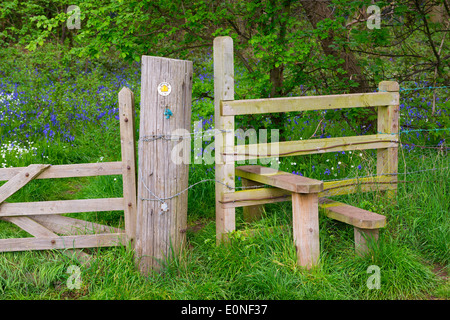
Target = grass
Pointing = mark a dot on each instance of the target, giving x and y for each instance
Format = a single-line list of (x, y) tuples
[(412, 252), (410, 249)]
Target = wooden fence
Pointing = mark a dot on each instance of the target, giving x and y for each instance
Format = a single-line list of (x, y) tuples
[(44, 219), (227, 153)]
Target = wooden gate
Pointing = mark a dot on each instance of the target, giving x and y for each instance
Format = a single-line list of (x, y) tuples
[(44, 219)]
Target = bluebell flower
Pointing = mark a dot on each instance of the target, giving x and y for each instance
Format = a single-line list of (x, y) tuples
[(101, 115)]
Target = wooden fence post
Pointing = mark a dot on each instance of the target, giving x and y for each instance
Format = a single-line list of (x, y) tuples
[(223, 90), (388, 122), (305, 220), (166, 92), (128, 147)]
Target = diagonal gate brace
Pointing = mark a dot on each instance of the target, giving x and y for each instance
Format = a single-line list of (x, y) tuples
[(26, 223), (21, 179)]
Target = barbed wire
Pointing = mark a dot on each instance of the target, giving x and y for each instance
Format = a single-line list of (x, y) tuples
[(387, 174), (422, 130), (163, 199), (178, 137), (423, 88), (441, 147)]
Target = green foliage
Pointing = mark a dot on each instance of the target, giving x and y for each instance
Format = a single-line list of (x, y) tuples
[(278, 50), (271, 38)]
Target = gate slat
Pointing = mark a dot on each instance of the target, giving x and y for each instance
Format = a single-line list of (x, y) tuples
[(63, 242), (8, 209)]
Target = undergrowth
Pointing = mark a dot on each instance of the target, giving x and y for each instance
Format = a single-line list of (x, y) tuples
[(412, 252)]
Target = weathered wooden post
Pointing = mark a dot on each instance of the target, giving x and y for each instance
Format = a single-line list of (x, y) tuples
[(165, 120), (223, 90), (388, 122), (128, 147), (387, 160)]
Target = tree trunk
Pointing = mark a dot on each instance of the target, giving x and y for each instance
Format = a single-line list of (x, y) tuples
[(317, 11), (276, 80)]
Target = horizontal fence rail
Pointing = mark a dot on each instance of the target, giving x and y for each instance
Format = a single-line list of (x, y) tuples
[(9, 209), (69, 170), (306, 103), (312, 146), (47, 225), (63, 242)]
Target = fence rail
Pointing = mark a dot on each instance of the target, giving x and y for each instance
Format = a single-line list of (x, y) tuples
[(302, 147), (306, 103), (69, 170)]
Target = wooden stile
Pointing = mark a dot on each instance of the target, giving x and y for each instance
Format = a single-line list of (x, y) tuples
[(258, 196), (362, 239), (306, 194), (356, 217)]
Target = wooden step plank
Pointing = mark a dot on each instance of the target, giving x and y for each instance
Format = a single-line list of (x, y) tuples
[(69, 170), (71, 226), (258, 196), (354, 216), (63, 242), (304, 103), (20, 179), (280, 179), (60, 207)]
